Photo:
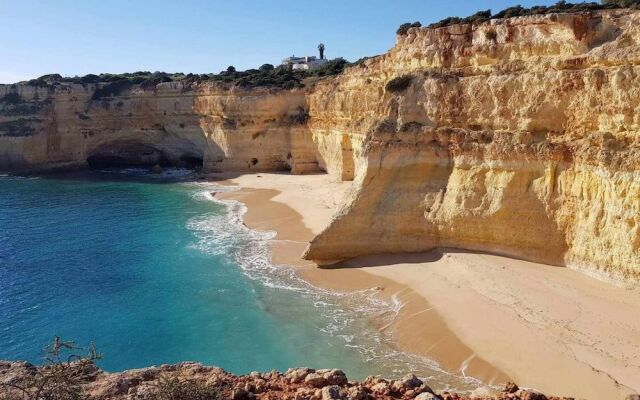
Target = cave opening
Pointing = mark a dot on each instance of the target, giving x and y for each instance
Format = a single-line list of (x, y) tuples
[(124, 155)]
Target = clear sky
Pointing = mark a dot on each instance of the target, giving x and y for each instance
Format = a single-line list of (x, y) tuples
[(77, 37)]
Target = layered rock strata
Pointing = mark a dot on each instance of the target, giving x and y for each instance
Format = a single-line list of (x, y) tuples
[(517, 136), (68, 125)]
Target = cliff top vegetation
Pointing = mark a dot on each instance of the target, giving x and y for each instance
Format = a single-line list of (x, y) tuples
[(267, 75), (519, 11)]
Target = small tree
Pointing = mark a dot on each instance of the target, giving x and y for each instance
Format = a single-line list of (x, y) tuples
[(231, 69), (60, 377)]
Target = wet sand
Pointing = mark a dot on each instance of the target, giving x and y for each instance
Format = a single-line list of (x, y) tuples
[(490, 317)]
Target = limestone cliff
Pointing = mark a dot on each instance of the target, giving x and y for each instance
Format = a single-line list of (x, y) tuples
[(516, 136), (519, 136), (69, 125)]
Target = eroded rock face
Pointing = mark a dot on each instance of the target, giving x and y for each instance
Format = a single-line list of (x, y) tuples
[(177, 124), (523, 142), (518, 136)]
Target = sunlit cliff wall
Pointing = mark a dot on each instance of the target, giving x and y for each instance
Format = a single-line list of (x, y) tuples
[(519, 137), (229, 129)]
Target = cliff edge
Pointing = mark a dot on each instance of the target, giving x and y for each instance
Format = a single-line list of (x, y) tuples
[(515, 136)]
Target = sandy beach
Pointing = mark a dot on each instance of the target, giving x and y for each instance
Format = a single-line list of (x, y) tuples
[(490, 317)]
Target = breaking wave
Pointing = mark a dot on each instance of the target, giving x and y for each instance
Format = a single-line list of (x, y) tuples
[(343, 314)]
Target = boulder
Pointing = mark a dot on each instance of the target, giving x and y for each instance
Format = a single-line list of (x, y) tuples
[(484, 393), (297, 375), (427, 396), (530, 394), (380, 388), (510, 387), (316, 380), (357, 393), (335, 377), (411, 381), (331, 393)]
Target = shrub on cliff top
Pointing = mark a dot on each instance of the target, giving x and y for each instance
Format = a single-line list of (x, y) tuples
[(267, 75), (404, 28), (61, 376), (399, 84), (112, 89), (520, 11)]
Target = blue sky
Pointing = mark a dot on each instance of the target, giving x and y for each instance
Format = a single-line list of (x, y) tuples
[(76, 37)]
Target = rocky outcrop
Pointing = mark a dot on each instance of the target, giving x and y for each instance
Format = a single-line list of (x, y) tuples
[(72, 125), (197, 382), (518, 137)]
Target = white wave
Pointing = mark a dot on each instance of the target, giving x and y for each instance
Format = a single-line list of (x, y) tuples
[(342, 313), (168, 173)]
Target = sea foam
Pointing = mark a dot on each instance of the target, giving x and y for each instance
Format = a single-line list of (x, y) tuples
[(342, 313)]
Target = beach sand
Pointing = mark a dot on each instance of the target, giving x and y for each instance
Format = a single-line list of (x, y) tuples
[(491, 317)]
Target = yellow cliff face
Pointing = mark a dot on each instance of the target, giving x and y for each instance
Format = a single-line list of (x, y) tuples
[(519, 137), (224, 129)]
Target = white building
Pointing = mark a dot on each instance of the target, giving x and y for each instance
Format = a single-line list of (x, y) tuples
[(303, 63)]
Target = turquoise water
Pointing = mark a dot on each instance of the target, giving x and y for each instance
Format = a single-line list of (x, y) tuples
[(154, 271)]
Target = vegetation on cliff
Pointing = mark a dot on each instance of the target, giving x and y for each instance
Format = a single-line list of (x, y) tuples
[(68, 376), (399, 84), (281, 77), (519, 11)]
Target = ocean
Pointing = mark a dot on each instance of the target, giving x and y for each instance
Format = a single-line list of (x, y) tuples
[(153, 270)]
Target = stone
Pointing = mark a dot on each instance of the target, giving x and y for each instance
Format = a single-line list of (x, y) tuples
[(335, 377), (483, 393), (411, 381), (529, 394), (357, 393), (316, 380), (331, 393), (380, 388), (510, 387), (297, 375), (240, 394), (427, 396)]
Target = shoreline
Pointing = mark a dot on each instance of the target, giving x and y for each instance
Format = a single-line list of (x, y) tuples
[(438, 343), (519, 342)]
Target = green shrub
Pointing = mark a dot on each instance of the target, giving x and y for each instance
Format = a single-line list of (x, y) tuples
[(399, 84), (404, 28), (519, 11), (112, 89), (267, 75), (333, 67), (61, 376)]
